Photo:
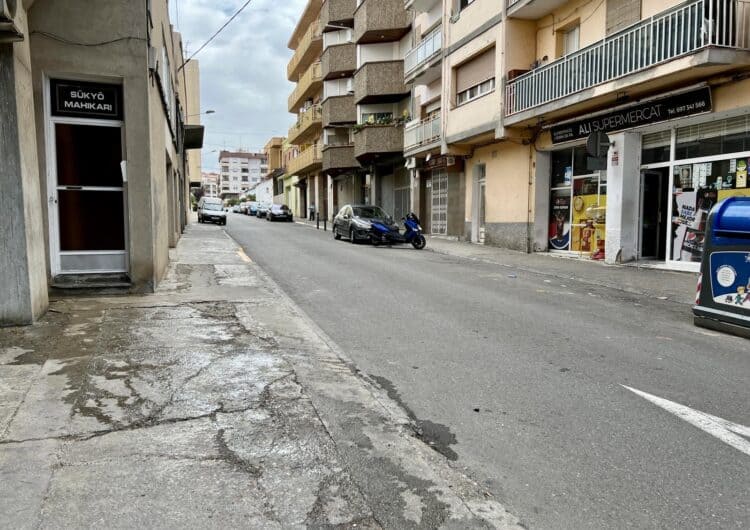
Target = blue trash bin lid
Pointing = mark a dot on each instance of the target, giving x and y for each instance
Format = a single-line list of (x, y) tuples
[(733, 216)]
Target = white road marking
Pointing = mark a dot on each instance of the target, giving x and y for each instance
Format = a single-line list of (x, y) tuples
[(728, 432)]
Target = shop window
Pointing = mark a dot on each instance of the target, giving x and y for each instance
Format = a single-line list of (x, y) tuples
[(655, 147), (713, 138)]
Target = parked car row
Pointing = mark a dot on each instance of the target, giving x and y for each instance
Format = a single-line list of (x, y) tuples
[(264, 210)]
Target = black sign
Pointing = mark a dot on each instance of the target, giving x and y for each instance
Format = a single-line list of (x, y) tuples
[(78, 99), (677, 106)]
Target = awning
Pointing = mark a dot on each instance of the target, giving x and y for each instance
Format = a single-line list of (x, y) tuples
[(194, 136)]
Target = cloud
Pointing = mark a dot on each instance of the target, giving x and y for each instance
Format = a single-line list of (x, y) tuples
[(243, 71)]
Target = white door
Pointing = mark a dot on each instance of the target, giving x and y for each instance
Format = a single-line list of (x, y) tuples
[(439, 211), (88, 231)]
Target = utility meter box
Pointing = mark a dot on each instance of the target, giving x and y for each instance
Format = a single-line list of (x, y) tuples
[(723, 300)]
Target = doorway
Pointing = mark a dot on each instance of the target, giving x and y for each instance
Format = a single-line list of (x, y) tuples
[(439, 209), (654, 209), (479, 204), (87, 199)]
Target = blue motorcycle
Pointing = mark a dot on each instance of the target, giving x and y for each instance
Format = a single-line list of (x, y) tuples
[(383, 234)]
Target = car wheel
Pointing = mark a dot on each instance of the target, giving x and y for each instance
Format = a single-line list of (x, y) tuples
[(352, 239)]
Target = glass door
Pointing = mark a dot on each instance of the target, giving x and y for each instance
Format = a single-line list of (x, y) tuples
[(89, 223)]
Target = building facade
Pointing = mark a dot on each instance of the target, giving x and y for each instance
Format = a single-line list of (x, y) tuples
[(210, 184), (304, 69), (240, 171), (93, 148), (361, 103), (510, 100)]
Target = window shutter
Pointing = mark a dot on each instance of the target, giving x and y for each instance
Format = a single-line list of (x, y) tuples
[(475, 71), (622, 13)]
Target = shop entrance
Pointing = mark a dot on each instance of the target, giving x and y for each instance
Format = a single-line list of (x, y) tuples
[(87, 198), (654, 210)]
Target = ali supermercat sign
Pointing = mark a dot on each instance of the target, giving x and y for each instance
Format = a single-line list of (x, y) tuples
[(657, 110), (79, 99)]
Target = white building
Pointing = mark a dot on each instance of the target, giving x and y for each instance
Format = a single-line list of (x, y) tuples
[(240, 171), (210, 184), (263, 191)]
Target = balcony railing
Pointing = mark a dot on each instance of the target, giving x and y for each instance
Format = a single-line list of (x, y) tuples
[(425, 51), (313, 35), (307, 84), (306, 160), (423, 132), (661, 38), (307, 120)]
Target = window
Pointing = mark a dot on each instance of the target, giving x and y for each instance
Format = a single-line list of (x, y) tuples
[(378, 118), (475, 92), (571, 40), (475, 77), (244, 178), (463, 4)]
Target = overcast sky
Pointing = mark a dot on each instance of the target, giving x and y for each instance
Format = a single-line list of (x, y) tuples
[(243, 71)]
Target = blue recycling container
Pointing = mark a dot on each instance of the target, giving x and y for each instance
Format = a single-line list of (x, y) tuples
[(723, 300)]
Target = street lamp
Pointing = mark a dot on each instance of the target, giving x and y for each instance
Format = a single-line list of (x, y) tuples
[(201, 113)]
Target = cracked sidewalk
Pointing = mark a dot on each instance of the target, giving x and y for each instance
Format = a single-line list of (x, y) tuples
[(213, 402)]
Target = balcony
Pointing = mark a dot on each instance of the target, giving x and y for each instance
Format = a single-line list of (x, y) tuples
[(381, 82), (308, 85), (665, 49), (337, 12), (307, 127), (424, 60), (423, 135), (532, 9), (339, 60), (373, 141), (307, 51), (339, 110), (380, 21), (420, 6), (338, 158), (307, 161)]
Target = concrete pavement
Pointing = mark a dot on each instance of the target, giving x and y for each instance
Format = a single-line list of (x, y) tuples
[(214, 402)]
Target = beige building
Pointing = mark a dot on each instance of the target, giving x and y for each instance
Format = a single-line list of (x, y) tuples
[(274, 153), (304, 70), (523, 85), (92, 142), (191, 80)]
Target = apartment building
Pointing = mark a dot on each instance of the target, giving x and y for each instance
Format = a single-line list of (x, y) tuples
[(274, 152), (210, 184), (351, 102), (382, 35), (93, 144), (668, 83), (438, 179), (239, 171), (344, 178), (304, 70), (513, 146)]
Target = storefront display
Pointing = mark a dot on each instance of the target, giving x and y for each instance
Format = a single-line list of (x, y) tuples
[(711, 165), (577, 205)]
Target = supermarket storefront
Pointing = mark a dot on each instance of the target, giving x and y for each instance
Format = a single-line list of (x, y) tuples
[(648, 200)]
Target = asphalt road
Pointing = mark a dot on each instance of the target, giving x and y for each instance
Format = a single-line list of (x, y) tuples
[(521, 379)]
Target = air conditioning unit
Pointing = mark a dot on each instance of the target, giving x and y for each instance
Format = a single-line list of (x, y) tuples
[(9, 32)]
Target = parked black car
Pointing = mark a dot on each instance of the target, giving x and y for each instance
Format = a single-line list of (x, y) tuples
[(279, 212), (353, 221)]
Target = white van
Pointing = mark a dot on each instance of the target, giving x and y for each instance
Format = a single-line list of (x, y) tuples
[(211, 210)]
